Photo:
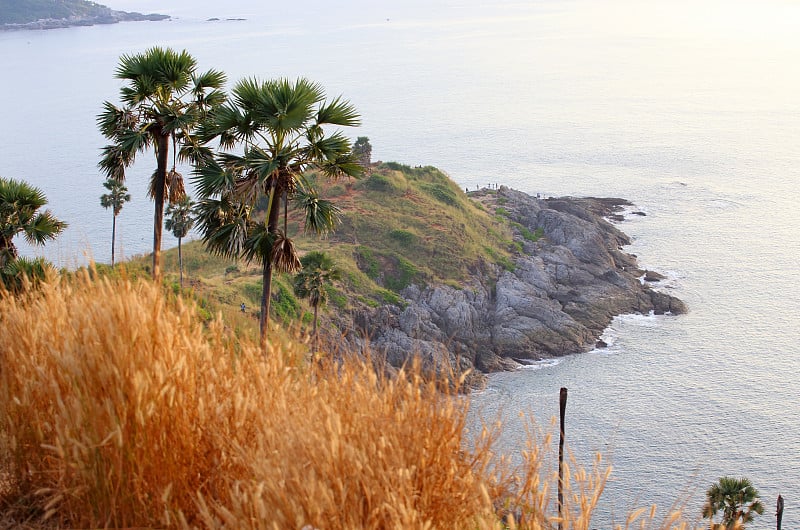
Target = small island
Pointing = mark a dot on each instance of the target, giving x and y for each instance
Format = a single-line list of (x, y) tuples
[(52, 14)]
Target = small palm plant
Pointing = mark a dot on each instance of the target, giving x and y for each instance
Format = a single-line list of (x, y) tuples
[(317, 273), (20, 205), (736, 498), (117, 196), (179, 221)]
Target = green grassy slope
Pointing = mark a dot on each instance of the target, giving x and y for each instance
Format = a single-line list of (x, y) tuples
[(401, 225)]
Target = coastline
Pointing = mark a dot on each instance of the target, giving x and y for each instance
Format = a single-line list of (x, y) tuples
[(561, 294), (107, 16)]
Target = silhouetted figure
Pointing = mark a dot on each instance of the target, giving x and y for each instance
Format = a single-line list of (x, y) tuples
[(779, 511)]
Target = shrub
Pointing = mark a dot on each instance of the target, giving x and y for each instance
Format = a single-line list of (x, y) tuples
[(380, 183), (337, 298), (404, 275), (500, 259), (367, 262), (442, 193), (285, 305), (391, 297), (404, 237)]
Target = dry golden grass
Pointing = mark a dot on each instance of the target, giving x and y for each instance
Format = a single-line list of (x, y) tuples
[(118, 408)]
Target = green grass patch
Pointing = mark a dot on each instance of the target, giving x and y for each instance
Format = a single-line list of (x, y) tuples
[(404, 237)]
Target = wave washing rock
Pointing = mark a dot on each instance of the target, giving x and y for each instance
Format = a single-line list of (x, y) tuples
[(563, 291)]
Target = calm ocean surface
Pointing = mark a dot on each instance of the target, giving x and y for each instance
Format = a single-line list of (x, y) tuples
[(689, 109)]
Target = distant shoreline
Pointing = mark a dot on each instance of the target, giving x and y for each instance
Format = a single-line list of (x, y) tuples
[(109, 17)]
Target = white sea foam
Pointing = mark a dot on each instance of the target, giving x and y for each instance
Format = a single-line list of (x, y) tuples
[(538, 365)]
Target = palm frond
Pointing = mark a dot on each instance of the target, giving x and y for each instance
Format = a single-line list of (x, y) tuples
[(43, 227), (261, 162), (193, 151), (283, 254), (114, 119), (151, 188), (247, 93), (211, 179), (20, 194), (338, 112), (209, 79), (321, 216), (114, 161), (259, 244), (345, 165), (172, 69), (134, 140), (179, 119), (20, 274), (175, 189), (225, 226), (322, 148), (283, 106)]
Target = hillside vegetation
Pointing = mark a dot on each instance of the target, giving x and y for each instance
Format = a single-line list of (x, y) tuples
[(404, 225), (400, 225)]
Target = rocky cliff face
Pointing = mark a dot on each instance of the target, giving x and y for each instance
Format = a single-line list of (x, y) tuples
[(562, 292)]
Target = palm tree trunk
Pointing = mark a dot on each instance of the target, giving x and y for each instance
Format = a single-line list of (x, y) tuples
[(113, 236), (180, 261), (314, 332), (265, 303), (162, 155), (266, 291)]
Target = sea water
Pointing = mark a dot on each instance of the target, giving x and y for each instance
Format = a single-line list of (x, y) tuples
[(688, 109)]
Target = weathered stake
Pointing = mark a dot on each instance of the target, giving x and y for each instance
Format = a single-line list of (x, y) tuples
[(563, 408), (779, 511)]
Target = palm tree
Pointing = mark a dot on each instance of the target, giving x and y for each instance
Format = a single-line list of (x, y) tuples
[(318, 272), (21, 272), (179, 221), (117, 196), (19, 214), (163, 103), (278, 128), (363, 151), (736, 498)]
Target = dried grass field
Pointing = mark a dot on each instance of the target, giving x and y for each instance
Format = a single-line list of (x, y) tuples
[(120, 408)]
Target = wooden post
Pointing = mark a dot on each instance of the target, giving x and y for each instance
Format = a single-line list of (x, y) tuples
[(779, 512), (563, 408)]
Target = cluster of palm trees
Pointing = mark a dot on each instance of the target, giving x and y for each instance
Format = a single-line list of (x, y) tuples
[(249, 153)]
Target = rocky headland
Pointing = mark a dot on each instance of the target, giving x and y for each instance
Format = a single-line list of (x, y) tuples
[(561, 292), (38, 14)]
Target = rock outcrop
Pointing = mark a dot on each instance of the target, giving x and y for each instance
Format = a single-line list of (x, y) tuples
[(564, 289)]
